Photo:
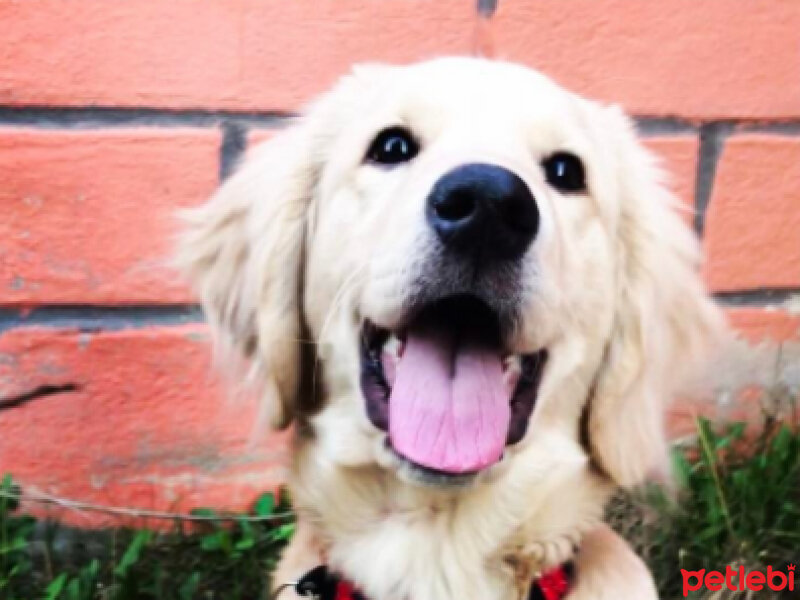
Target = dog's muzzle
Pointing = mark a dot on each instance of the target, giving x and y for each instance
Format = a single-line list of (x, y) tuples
[(443, 383)]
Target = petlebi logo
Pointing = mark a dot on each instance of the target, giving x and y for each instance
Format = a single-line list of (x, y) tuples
[(739, 580)]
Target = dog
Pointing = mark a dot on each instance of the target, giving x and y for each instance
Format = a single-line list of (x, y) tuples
[(472, 294)]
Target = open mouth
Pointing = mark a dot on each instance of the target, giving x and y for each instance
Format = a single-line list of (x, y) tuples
[(444, 388)]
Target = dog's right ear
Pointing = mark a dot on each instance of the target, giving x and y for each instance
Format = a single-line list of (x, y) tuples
[(242, 252), (665, 323)]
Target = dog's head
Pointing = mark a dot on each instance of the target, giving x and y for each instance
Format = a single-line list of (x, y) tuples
[(438, 264)]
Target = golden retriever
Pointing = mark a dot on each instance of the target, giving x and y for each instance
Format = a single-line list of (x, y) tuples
[(472, 293)]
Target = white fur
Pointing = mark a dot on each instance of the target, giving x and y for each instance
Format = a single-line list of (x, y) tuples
[(307, 241)]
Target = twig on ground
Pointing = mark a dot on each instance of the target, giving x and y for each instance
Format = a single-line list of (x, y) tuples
[(42, 498)]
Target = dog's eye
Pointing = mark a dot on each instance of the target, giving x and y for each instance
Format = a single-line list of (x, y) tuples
[(392, 146), (565, 172)]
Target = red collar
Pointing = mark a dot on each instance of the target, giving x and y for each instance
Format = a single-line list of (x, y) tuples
[(553, 584), (320, 584)]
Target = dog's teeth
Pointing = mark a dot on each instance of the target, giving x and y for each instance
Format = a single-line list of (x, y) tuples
[(512, 361), (393, 346), (512, 369)]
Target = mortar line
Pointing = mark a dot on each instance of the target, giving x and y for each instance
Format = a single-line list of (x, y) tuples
[(712, 141), (659, 126), (487, 8), (110, 117), (785, 128), (759, 298), (233, 147), (115, 116), (110, 318), (99, 318)]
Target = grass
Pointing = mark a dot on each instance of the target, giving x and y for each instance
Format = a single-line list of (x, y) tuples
[(227, 558), (737, 502)]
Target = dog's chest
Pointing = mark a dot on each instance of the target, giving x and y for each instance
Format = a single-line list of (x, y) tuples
[(407, 558)]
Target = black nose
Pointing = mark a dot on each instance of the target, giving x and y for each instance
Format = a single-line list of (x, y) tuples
[(483, 210)]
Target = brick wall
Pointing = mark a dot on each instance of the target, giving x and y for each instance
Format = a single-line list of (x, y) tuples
[(113, 114)]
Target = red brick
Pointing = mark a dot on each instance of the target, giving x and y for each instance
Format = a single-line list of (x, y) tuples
[(148, 425), (707, 59), (248, 54), (753, 220), (683, 414), (760, 325), (679, 156), (89, 215), (750, 376)]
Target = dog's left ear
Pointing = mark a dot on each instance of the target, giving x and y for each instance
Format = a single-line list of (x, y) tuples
[(664, 322)]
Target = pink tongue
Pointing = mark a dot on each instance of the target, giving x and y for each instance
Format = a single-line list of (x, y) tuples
[(449, 406)]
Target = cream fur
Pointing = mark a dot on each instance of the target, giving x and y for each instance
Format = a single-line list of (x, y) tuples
[(306, 241)]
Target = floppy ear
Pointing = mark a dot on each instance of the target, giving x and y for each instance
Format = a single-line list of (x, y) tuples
[(663, 321), (242, 251)]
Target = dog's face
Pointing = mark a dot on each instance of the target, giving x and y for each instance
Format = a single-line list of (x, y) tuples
[(480, 262)]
